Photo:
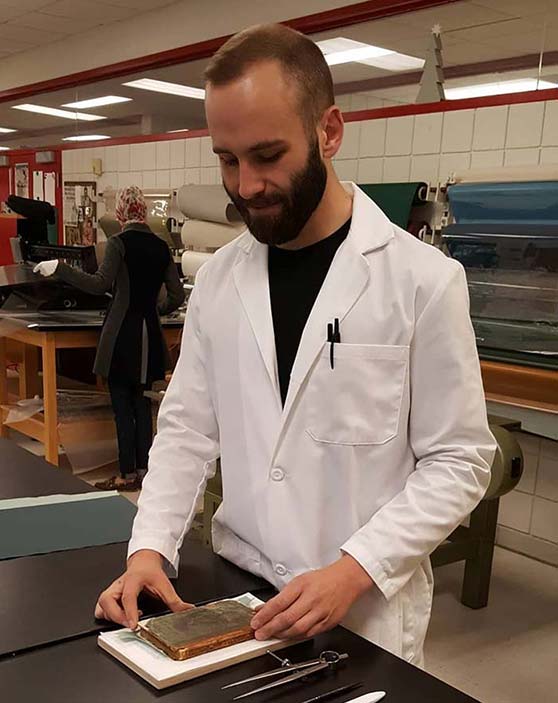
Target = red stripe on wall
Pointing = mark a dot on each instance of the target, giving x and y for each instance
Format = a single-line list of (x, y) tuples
[(356, 116), (533, 96)]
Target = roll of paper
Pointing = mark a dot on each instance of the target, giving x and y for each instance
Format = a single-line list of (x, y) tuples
[(209, 235), (508, 174), (535, 202), (192, 261), (207, 202)]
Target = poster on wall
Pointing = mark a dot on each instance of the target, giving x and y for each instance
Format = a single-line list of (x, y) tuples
[(22, 180), (38, 186), (80, 212), (50, 187)]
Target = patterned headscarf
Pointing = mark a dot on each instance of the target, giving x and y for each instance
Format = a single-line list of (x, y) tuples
[(131, 206)]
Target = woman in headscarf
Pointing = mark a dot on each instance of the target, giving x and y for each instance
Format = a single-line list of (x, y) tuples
[(132, 353)]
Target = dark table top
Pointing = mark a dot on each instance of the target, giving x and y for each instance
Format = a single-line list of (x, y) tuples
[(79, 670), (51, 597), (64, 321), (24, 475)]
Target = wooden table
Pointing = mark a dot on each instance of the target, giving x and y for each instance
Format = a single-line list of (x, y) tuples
[(35, 337)]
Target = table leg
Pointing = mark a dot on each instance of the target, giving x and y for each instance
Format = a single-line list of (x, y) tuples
[(3, 383), (478, 569), (49, 398), (29, 372)]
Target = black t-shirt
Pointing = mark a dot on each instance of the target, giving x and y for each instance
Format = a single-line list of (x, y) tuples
[(295, 279)]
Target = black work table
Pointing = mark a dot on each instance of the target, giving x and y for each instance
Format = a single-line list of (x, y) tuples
[(51, 597), (48, 638), (81, 671), (24, 475)]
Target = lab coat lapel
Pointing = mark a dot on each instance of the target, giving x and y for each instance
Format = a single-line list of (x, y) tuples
[(252, 284), (345, 282)]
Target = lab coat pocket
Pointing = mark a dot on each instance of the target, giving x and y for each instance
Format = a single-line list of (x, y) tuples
[(358, 402)]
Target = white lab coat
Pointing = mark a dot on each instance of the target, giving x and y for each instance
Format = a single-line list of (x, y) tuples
[(380, 458)]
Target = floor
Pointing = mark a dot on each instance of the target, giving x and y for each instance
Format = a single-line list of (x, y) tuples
[(505, 653)]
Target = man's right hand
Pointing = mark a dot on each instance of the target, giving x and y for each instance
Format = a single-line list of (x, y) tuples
[(119, 602)]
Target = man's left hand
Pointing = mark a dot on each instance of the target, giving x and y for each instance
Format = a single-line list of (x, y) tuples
[(313, 602)]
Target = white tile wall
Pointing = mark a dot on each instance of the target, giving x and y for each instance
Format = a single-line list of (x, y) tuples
[(177, 177), (452, 163), (150, 179), (370, 170), (545, 519), (162, 155), (487, 159), (346, 169), (111, 159), (549, 449), (123, 157), (193, 153), (372, 138), (525, 125), (522, 157), (427, 134), (490, 128), (425, 168), (399, 136), (515, 511), (529, 477), (550, 130), (549, 155), (177, 153), (457, 133), (351, 141), (547, 479), (192, 176), (135, 178), (397, 169), (162, 179)]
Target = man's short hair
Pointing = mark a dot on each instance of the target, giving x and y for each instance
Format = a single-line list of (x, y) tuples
[(300, 58)]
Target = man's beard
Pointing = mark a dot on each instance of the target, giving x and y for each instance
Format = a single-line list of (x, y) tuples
[(296, 206)]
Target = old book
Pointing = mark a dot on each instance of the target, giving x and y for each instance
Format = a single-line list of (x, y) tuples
[(155, 667), (199, 630)]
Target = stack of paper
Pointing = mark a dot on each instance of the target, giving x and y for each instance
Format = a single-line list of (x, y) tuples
[(161, 671)]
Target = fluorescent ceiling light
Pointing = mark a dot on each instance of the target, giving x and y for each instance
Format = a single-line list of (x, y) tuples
[(97, 102), (4, 148), (85, 138), (521, 85), (54, 112), (184, 91), (341, 50), (6, 130), (172, 131)]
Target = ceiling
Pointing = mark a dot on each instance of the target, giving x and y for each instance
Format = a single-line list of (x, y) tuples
[(25, 24), (473, 31)]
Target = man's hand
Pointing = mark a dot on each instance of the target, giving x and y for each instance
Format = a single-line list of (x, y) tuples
[(313, 602), (119, 602)]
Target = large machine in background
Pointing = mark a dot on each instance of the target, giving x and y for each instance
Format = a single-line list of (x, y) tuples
[(506, 236), (24, 293)]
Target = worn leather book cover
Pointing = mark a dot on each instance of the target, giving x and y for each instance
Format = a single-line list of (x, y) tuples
[(199, 630)]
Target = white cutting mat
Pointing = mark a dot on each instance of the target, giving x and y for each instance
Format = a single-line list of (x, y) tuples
[(161, 671)]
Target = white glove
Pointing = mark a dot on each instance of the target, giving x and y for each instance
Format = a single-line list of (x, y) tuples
[(46, 268)]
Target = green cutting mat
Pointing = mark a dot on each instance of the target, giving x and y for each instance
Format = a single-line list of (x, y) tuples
[(57, 523), (394, 199)]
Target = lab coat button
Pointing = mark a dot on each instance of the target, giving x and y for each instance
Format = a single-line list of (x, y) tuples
[(277, 474), (280, 570)]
